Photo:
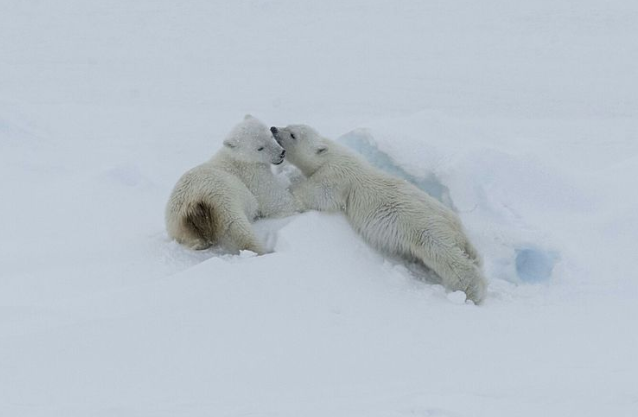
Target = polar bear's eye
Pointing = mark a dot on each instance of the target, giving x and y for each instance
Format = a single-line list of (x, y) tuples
[(292, 135), (261, 149)]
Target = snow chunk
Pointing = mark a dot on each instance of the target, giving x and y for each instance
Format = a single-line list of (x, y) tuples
[(457, 297), (247, 254)]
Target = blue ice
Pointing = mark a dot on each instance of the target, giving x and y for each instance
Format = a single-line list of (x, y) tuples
[(362, 142), (535, 264)]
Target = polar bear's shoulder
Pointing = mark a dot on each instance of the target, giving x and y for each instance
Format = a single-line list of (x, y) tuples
[(342, 162)]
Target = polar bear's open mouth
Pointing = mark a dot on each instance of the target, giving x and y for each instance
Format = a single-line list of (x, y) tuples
[(282, 156)]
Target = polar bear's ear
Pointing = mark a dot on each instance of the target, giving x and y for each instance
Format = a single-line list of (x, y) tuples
[(322, 150), (248, 116), (230, 144)]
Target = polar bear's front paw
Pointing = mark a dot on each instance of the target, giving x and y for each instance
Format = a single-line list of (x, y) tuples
[(200, 245)]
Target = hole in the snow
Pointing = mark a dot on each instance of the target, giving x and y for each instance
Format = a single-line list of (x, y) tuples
[(535, 265)]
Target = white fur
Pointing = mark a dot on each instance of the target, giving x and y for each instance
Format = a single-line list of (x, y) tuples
[(215, 202), (390, 213)]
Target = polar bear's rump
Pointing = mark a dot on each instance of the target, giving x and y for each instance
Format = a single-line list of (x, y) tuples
[(200, 222)]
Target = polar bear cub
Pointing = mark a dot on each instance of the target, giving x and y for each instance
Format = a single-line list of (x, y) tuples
[(215, 202), (391, 214)]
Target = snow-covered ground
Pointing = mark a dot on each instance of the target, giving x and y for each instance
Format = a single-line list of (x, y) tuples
[(523, 116)]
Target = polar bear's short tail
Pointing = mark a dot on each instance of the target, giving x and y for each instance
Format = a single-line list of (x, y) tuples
[(200, 224)]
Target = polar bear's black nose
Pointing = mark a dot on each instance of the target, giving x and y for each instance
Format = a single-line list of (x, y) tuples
[(273, 129), (283, 153)]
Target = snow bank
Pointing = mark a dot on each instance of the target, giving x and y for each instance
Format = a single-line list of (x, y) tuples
[(521, 257)]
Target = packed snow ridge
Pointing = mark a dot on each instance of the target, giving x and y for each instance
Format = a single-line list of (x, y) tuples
[(533, 263)]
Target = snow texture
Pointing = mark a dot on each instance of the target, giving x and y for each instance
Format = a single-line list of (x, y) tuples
[(522, 116)]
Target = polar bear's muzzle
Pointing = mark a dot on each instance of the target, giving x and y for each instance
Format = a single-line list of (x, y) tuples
[(281, 157)]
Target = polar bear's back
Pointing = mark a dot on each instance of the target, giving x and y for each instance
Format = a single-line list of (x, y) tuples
[(208, 180), (224, 193), (386, 210)]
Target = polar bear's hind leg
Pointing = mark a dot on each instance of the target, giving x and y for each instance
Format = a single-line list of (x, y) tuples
[(473, 254), (456, 270)]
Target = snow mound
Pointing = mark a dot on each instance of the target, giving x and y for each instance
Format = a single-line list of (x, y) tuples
[(520, 256)]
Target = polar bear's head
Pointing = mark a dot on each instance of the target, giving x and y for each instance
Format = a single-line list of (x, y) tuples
[(305, 148), (250, 141)]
